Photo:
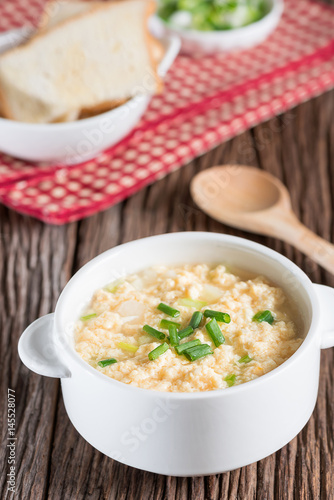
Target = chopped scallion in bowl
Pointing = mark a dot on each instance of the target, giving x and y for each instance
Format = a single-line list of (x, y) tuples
[(212, 15), (210, 26)]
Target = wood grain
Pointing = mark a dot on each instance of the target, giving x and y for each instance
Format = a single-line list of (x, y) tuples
[(53, 461)]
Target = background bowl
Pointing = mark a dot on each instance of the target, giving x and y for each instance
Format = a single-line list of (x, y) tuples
[(194, 41), (81, 140)]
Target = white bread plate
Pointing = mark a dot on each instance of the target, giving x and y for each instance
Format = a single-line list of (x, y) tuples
[(195, 41), (81, 140)]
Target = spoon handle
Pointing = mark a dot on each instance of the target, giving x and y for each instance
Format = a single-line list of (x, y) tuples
[(312, 245)]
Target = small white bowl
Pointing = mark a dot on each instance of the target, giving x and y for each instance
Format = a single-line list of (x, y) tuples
[(81, 140), (184, 434), (194, 41)]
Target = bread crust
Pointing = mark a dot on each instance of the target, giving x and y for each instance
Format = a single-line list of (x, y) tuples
[(150, 9), (4, 108)]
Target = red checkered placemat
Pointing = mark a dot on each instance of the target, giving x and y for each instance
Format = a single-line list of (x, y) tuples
[(206, 101)]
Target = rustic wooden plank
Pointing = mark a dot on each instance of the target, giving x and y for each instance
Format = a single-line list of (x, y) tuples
[(34, 268)]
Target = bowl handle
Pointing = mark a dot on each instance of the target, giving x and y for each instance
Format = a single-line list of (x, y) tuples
[(326, 301), (38, 351)]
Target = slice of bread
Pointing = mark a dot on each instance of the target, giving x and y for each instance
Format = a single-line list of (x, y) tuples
[(56, 12), (102, 55)]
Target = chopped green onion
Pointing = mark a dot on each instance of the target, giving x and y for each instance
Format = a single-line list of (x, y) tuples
[(173, 336), (213, 15), (198, 352), (197, 304), (127, 347), (170, 311), (230, 379), (158, 351), (187, 345), (266, 316), (185, 332), (106, 362), (196, 319), (245, 359), (164, 323), (112, 287), (89, 316), (155, 333), (219, 316), (215, 333)]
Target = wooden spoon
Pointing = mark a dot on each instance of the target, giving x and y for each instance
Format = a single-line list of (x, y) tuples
[(256, 201)]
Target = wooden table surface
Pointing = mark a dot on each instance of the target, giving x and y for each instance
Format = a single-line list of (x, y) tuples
[(37, 260)]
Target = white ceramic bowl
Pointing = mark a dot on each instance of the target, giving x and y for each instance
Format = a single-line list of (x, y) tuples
[(194, 41), (77, 141), (184, 434)]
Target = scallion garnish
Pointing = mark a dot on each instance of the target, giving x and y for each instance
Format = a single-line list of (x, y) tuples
[(266, 316), (173, 336), (106, 362), (198, 352), (221, 317), (170, 311), (158, 351), (245, 359), (197, 304), (215, 333), (185, 332), (187, 345), (127, 347), (89, 316), (155, 333), (164, 323), (230, 379), (196, 319)]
